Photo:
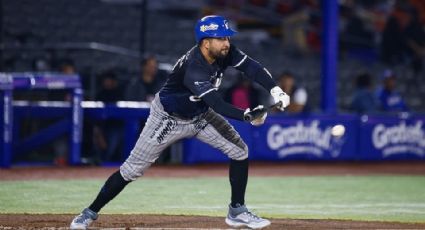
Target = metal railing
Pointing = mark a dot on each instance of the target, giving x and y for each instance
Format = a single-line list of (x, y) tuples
[(91, 46)]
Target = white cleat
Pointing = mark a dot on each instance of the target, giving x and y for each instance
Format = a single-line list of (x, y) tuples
[(83, 220), (241, 217)]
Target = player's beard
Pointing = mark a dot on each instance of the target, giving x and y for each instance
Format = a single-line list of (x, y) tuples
[(218, 54)]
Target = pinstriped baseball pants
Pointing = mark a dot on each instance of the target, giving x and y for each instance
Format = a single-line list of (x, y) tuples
[(161, 130)]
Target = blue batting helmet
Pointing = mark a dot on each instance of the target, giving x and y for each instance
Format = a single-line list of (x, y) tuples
[(212, 26)]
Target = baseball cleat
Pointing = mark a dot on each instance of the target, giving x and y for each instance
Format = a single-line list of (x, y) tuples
[(83, 220), (242, 217)]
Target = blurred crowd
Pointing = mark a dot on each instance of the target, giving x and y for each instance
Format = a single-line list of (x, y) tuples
[(394, 28), (391, 31)]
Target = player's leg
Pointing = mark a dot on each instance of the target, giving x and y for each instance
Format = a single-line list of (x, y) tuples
[(159, 132), (221, 135)]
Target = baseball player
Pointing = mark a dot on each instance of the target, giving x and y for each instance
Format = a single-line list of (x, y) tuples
[(188, 105)]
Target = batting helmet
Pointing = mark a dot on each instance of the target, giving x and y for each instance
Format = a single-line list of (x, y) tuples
[(212, 26)]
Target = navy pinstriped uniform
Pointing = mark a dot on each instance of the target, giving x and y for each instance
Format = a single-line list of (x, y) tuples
[(178, 110), (188, 105)]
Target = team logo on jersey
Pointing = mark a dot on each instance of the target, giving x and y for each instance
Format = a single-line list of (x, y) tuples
[(216, 79), (194, 98), (201, 83), (211, 26)]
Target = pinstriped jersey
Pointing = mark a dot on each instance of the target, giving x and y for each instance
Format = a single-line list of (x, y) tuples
[(192, 78)]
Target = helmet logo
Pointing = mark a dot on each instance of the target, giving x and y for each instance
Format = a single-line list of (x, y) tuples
[(211, 26), (226, 25)]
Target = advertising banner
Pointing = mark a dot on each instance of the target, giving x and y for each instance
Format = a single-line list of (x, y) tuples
[(392, 137), (318, 137)]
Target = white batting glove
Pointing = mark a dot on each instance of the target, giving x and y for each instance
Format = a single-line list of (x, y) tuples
[(259, 120), (280, 96)]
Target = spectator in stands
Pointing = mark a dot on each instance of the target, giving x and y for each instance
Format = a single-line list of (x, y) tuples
[(147, 84), (298, 95), (107, 134), (390, 100), (364, 100), (243, 95)]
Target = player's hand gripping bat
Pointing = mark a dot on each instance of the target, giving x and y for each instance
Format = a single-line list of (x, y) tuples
[(259, 111)]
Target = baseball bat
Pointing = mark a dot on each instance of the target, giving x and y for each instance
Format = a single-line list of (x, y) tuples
[(274, 106)]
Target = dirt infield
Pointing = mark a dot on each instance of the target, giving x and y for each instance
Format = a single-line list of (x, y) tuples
[(256, 169), (38, 221), (23, 221)]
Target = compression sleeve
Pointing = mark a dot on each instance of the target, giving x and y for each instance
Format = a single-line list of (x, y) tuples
[(216, 102), (257, 73)]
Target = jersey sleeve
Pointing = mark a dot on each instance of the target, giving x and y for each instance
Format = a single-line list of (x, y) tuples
[(236, 57), (252, 69), (197, 80)]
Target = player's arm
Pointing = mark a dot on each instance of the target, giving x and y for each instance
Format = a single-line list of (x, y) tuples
[(253, 70), (256, 117), (256, 72), (197, 81), (216, 102)]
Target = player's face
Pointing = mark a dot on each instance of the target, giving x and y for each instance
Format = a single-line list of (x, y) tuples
[(218, 47)]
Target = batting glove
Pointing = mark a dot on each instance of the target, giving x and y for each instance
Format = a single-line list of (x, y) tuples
[(257, 116), (278, 95)]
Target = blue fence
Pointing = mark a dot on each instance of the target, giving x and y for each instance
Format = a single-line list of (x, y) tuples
[(316, 137), (324, 137), (390, 137), (71, 114)]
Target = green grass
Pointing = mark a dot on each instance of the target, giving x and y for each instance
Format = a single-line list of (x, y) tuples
[(383, 198)]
